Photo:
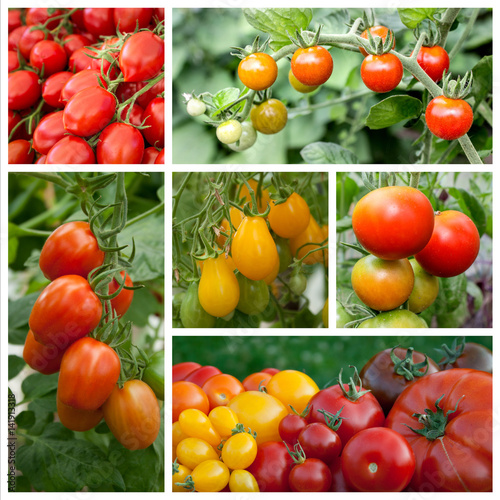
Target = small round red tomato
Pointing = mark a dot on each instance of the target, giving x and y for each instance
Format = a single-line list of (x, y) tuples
[(188, 395), (45, 359), (88, 374), (126, 19), (221, 388), (99, 21), (160, 159), (122, 301), (20, 152), (312, 65), (258, 71), (71, 249), (120, 143), (48, 55), (382, 284), (79, 81), (14, 19), (453, 246), (135, 115), (434, 61), (181, 370), (449, 119), (80, 59), (378, 459), (71, 150), (73, 42), (150, 155), (13, 61), (290, 427), (29, 39), (24, 89), (49, 131), (154, 116), (393, 222), (320, 441), (310, 475), (381, 73), (309, 240), (133, 414), (290, 218), (466, 355), (52, 88), (78, 420), (381, 31), (269, 117), (255, 381), (142, 56)]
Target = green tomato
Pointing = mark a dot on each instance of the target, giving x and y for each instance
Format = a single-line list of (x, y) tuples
[(192, 314), (196, 107), (298, 283), (284, 253), (154, 374), (425, 289), (254, 295), (342, 316), (399, 318), (229, 131), (247, 139), (177, 303)]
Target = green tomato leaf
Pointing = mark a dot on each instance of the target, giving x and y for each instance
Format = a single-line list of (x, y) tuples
[(455, 318), (474, 291), (393, 110), (347, 189), (451, 293), (344, 225), (278, 23), (26, 419), (472, 207), (224, 98), (38, 385), (483, 78), (19, 313), (411, 18), (16, 364), (327, 153)]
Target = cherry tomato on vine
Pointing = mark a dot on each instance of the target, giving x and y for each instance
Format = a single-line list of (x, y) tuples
[(247, 138), (291, 218), (24, 89), (307, 241), (290, 427), (192, 313), (434, 61), (122, 301), (239, 451), (73, 42), (81, 59), (321, 442), (99, 21), (120, 143), (78, 420), (29, 39), (45, 359), (453, 246), (36, 16), (269, 117), (126, 19), (142, 56), (258, 71), (193, 451), (263, 198), (154, 116), (381, 73), (48, 55), (425, 289), (20, 152), (187, 395), (298, 86), (400, 318), (254, 295), (298, 283), (449, 119), (196, 107), (312, 65), (229, 132), (221, 388), (79, 81), (242, 480), (310, 475), (381, 31), (71, 150), (13, 60)]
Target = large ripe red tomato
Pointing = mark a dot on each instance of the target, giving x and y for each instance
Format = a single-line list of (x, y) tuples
[(142, 56), (24, 89), (393, 222), (310, 476), (71, 150), (71, 249), (122, 301), (154, 114), (48, 55), (126, 19), (65, 311), (77, 420), (120, 143), (181, 370), (52, 88), (133, 415), (49, 131), (312, 65), (378, 459), (45, 359), (271, 467), (20, 152), (453, 246), (452, 414)]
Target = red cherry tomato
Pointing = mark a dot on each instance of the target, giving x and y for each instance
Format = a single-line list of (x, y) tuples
[(49, 131), (320, 441), (135, 116), (312, 65), (122, 301), (13, 119), (40, 16), (29, 39), (81, 80), (48, 55), (120, 143), (80, 59), (99, 21), (202, 374), (24, 89), (381, 73), (15, 37), (149, 156), (42, 358), (434, 61), (14, 19), (142, 56), (20, 152), (290, 427), (53, 86), (71, 150), (154, 116), (381, 31), (258, 71), (311, 475), (181, 370), (449, 119), (73, 42), (160, 159), (126, 19)]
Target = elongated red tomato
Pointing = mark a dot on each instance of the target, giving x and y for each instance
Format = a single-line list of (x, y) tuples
[(20, 152), (154, 116), (142, 56), (89, 372), (52, 88), (77, 420), (120, 143), (49, 131), (81, 80), (133, 415), (71, 150), (67, 310), (24, 89), (126, 19), (42, 358), (71, 249), (122, 301)]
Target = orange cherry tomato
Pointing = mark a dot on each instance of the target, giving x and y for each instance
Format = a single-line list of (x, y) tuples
[(312, 238), (187, 395), (381, 31), (220, 389), (263, 198), (255, 381), (291, 218)]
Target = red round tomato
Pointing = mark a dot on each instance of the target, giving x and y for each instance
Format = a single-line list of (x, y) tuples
[(20, 152), (160, 159), (133, 415), (378, 459), (381, 73), (290, 427), (89, 111), (258, 71), (126, 19), (71, 249), (70, 150), (202, 374), (310, 475), (434, 61), (29, 39), (154, 116), (13, 61), (120, 143), (24, 89), (142, 56), (188, 395), (149, 156), (453, 246), (393, 222), (15, 37), (381, 31), (122, 301), (312, 65), (181, 370), (291, 218), (99, 21), (88, 374), (48, 55), (53, 86), (49, 131), (65, 311), (447, 419), (81, 80), (221, 388), (45, 359), (78, 420), (73, 42), (80, 59), (321, 442), (449, 119)]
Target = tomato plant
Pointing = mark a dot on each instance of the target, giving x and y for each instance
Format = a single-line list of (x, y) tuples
[(258, 71)]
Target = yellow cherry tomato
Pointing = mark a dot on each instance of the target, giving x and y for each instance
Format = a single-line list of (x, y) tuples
[(196, 424), (210, 476), (218, 291), (293, 388), (312, 238), (179, 474), (177, 434), (253, 249), (259, 412), (236, 217), (299, 86), (263, 198), (291, 218), (239, 451), (194, 451), (242, 480), (324, 314), (224, 420)]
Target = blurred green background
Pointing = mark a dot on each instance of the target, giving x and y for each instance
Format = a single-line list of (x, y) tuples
[(319, 356)]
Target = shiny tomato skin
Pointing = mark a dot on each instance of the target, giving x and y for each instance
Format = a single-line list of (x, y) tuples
[(65, 311), (41, 15), (290, 427), (80, 59), (49, 131), (15, 37), (221, 388), (149, 156), (73, 42), (188, 395), (321, 442), (200, 375), (378, 459), (461, 459), (382, 285), (449, 119), (70, 249), (310, 476), (269, 117), (135, 116), (258, 71), (13, 60), (453, 247), (122, 301), (309, 240), (181, 370), (120, 143), (291, 218), (133, 415), (255, 381), (393, 222), (79, 81), (99, 21), (49, 55), (29, 39), (89, 111), (78, 420), (271, 371), (42, 358), (381, 31), (126, 19), (312, 65), (160, 159), (475, 356), (20, 152), (24, 89), (298, 86), (53, 86), (88, 374), (425, 289), (154, 116), (142, 56), (71, 150), (434, 61), (381, 73), (271, 467), (338, 480), (14, 19), (155, 91)]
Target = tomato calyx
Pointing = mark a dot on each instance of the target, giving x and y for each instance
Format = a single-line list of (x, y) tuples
[(434, 422), (256, 47), (332, 420), (303, 38), (451, 354), (406, 367), (305, 411), (376, 45), (355, 386), (188, 484), (297, 454), (459, 88)]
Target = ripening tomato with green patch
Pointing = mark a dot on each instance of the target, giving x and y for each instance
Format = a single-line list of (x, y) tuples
[(425, 289), (381, 73), (399, 318), (312, 65), (192, 313), (269, 117), (290, 218), (258, 71), (447, 118)]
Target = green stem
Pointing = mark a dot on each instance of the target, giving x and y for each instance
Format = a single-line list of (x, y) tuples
[(158, 208), (446, 23), (470, 150), (468, 28), (177, 196), (54, 178), (414, 179)]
